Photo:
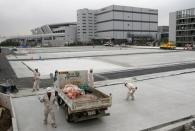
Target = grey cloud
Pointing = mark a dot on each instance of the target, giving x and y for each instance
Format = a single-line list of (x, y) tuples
[(19, 16)]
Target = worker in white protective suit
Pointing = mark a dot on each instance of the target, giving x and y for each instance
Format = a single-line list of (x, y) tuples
[(91, 78), (50, 103), (36, 79), (131, 90)]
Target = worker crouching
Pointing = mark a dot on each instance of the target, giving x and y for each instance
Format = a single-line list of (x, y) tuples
[(50, 103), (131, 90)]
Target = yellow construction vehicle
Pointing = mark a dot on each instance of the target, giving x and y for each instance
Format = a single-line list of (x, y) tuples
[(168, 45)]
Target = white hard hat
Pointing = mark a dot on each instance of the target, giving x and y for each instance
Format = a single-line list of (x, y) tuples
[(125, 84), (49, 89)]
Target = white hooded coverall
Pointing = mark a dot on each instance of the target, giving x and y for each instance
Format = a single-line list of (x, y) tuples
[(49, 106), (91, 79), (131, 90), (36, 80)]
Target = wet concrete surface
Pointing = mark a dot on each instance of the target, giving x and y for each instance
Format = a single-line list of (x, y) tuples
[(131, 65), (7, 72), (157, 101), (87, 53)]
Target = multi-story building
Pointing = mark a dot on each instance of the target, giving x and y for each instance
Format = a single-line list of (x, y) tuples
[(85, 25), (49, 35), (182, 27), (62, 33), (120, 23), (112, 23), (163, 33)]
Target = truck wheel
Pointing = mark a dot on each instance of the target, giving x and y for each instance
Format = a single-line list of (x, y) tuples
[(60, 101), (68, 116)]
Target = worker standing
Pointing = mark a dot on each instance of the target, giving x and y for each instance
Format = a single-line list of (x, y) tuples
[(55, 75), (131, 90), (91, 78), (50, 102), (36, 80)]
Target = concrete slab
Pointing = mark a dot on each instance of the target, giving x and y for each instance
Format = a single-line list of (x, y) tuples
[(123, 62), (151, 60), (68, 53), (49, 66), (143, 77), (157, 101), (20, 69)]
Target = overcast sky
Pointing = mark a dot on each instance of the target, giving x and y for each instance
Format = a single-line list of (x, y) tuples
[(17, 17)]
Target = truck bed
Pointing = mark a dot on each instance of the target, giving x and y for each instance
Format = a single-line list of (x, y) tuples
[(94, 100)]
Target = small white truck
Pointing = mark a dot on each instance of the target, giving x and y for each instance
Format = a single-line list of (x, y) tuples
[(80, 109)]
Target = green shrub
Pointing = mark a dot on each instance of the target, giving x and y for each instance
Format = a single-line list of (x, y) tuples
[(10, 43)]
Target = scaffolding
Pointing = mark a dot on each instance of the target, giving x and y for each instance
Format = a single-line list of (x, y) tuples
[(185, 27)]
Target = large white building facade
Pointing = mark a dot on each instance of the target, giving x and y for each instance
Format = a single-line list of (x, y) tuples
[(182, 27), (60, 34), (117, 22), (57, 34)]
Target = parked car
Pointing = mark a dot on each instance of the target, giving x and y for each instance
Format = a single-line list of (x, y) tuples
[(108, 44)]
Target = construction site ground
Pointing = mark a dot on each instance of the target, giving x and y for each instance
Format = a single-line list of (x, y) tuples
[(165, 80), (158, 100)]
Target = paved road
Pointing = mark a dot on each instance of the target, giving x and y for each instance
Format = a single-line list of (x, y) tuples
[(157, 101)]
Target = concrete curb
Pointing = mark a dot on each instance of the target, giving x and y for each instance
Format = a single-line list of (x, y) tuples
[(14, 120)]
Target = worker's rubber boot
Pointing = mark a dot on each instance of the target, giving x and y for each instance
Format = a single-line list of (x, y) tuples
[(45, 122), (54, 125)]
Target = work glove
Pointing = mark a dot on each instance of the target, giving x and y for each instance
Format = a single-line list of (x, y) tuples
[(58, 108), (40, 99)]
